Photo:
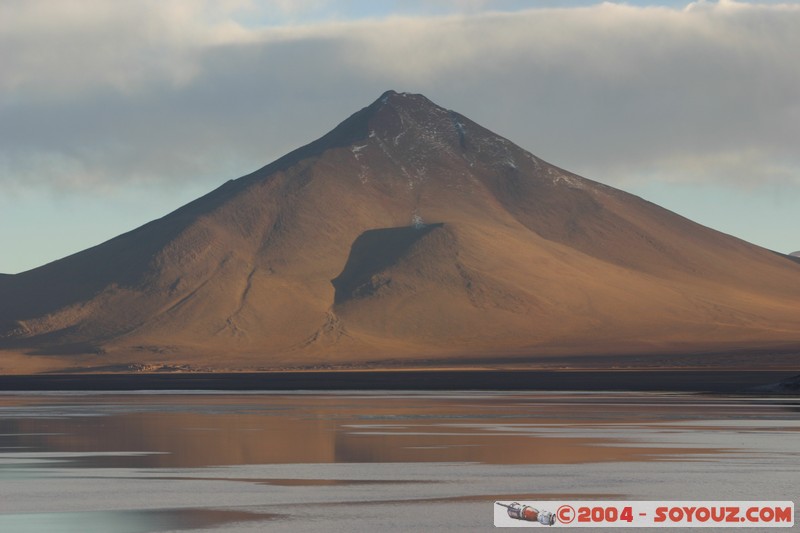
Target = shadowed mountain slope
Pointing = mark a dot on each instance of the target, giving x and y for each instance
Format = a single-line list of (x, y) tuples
[(406, 233)]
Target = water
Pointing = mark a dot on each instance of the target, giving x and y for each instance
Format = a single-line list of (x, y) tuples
[(157, 462)]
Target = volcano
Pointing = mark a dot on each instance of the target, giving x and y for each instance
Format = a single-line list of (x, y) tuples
[(408, 235)]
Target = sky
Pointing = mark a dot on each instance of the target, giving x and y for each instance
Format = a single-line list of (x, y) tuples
[(113, 114)]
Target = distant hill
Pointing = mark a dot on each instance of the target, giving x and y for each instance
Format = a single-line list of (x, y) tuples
[(407, 235)]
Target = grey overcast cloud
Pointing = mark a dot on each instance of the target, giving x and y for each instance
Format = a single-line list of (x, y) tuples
[(125, 110)]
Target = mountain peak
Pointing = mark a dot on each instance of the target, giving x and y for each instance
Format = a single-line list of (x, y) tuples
[(401, 102), (404, 99), (395, 113), (405, 114), (415, 103), (395, 120)]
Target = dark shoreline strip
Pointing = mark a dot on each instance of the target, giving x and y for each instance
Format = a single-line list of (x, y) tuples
[(720, 381)]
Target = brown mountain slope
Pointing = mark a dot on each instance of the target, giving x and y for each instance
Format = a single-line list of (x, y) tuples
[(407, 233)]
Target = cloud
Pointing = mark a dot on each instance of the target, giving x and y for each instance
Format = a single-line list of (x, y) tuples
[(98, 94), (69, 46)]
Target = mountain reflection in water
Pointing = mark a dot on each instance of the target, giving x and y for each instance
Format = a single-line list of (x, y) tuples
[(195, 430)]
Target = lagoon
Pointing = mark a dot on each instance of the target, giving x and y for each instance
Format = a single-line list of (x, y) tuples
[(374, 461)]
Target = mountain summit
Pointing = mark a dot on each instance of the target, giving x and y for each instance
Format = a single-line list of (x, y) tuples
[(407, 234)]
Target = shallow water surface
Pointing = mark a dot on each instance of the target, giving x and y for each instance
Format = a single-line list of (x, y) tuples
[(156, 462)]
